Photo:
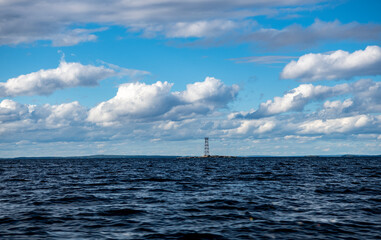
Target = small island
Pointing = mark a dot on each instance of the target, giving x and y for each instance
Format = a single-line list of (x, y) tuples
[(208, 157), (206, 153)]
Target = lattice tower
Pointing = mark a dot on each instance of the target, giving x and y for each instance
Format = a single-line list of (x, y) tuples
[(206, 148)]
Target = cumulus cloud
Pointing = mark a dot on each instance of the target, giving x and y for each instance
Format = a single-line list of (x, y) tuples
[(22, 120), (135, 100), (11, 111), (366, 99), (156, 101), (62, 115), (337, 108), (336, 65), (211, 90), (341, 125), (142, 111), (349, 109), (295, 100), (54, 115), (138, 110), (69, 122), (155, 112), (255, 127), (368, 96), (66, 75), (305, 127)]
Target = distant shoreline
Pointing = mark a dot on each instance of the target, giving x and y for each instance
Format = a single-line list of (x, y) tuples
[(183, 157)]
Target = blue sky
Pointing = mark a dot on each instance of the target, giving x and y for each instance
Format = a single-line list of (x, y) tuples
[(155, 77)]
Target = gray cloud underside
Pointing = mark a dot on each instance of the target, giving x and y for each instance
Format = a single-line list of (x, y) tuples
[(225, 21)]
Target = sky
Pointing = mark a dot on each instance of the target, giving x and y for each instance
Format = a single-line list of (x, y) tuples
[(154, 77)]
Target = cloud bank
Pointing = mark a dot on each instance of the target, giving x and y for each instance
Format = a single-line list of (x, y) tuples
[(336, 65), (28, 21), (138, 110), (214, 21), (152, 111)]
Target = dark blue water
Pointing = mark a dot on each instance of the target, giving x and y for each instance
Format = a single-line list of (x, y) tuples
[(253, 198)]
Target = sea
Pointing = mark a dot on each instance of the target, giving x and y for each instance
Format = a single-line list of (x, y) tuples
[(194, 198)]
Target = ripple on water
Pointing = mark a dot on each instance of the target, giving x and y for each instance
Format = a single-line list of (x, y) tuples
[(248, 198), (120, 212)]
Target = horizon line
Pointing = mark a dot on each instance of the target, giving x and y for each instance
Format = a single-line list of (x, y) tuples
[(95, 156)]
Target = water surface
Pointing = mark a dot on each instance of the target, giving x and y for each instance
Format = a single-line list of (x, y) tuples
[(168, 198)]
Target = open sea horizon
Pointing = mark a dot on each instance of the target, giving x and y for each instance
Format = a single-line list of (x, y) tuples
[(161, 197)]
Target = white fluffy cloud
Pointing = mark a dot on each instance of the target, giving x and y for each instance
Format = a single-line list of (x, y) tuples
[(336, 65), (357, 114), (11, 111), (341, 125), (141, 111), (337, 108), (66, 75), (156, 101), (365, 99), (255, 127), (304, 126), (34, 122), (211, 90), (295, 100), (69, 122), (135, 100), (368, 95), (62, 115)]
